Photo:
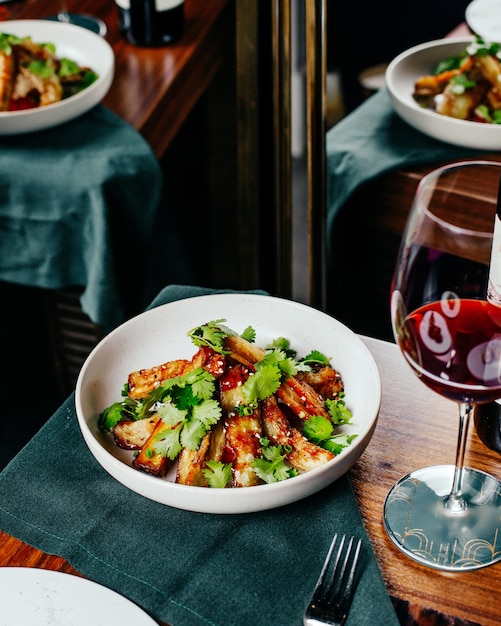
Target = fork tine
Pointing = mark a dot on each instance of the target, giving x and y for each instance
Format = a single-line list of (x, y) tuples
[(318, 592), (347, 596), (333, 592)]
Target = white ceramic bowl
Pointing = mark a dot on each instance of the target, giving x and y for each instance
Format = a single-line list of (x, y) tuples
[(160, 335), (401, 75), (77, 44)]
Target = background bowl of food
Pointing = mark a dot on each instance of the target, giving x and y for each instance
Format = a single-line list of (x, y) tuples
[(71, 43), (464, 95), (160, 336)]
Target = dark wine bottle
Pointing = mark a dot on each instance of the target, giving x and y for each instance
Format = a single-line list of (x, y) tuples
[(151, 23)]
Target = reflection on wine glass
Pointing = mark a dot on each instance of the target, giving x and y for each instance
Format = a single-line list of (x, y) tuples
[(449, 516), (90, 22)]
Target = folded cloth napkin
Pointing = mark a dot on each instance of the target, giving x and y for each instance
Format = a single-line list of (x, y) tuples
[(184, 568), (77, 208), (373, 140)]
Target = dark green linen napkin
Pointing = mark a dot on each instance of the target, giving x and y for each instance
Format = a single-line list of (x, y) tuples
[(184, 568), (77, 208), (373, 140)]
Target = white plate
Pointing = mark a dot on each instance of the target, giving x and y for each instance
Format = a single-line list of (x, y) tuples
[(418, 61), (37, 597), (160, 335), (73, 42), (484, 19)]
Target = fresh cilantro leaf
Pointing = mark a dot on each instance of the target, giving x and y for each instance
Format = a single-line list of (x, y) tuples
[(318, 428), (249, 334), (217, 474), (44, 69), (126, 409), (207, 413), (262, 383), (450, 63), (316, 358), (339, 412), (337, 443), (283, 344), (460, 83), (271, 466), (67, 67), (168, 443), (170, 413), (111, 416), (212, 335), (202, 383), (49, 46), (192, 433)]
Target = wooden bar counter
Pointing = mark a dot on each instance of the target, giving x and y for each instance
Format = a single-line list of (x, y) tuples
[(154, 89), (416, 428)]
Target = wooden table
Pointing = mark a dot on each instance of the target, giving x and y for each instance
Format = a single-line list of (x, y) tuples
[(416, 428), (154, 89)]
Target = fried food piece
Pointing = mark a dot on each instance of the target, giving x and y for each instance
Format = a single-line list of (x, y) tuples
[(461, 106), (143, 381), (324, 380), (217, 442), (302, 399), (304, 455), (243, 432), (243, 351), (133, 434), (191, 463), (149, 460)]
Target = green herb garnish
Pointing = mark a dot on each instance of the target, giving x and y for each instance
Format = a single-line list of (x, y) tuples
[(271, 466), (217, 474)]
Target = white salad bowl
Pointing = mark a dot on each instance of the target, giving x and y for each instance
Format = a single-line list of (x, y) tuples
[(75, 43), (160, 335), (421, 60)]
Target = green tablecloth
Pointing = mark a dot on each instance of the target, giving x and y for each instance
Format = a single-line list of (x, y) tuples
[(184, 568), (77, 208), (373, 140)]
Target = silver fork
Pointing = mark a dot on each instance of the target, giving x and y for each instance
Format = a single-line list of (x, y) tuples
[(333, 592)]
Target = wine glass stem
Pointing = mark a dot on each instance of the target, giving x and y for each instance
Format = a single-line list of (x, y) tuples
[(455, 501), (63, 15)]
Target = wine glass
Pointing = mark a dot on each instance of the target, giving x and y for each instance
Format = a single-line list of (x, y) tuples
[(90, 22), (449, 331)]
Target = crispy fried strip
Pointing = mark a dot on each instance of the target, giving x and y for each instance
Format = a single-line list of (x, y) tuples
[(326, 381), (150, 461), (302, 399), (145, 380), (217, 442), (133, 434), (191, 464), (305, 455), (242, 440), (243, 351), (243, 432)]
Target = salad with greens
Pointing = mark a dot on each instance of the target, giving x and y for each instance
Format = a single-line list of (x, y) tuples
[(235, 414), (32, 75)]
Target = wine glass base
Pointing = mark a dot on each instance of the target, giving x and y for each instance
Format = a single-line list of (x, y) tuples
[(419, 524), (94, 24)]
